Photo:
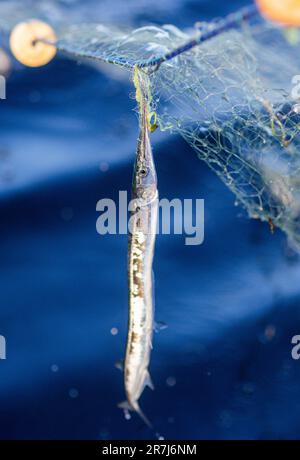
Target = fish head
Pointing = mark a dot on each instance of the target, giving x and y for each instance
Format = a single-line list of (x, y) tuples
[(146, 185)]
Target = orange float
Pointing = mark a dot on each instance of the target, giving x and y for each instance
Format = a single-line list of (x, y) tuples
[(26, 43), (285, 12)]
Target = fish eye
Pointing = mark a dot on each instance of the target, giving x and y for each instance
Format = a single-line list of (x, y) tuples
[(143, 171)]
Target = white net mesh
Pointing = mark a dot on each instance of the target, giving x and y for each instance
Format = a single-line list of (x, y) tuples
[(231, 99)]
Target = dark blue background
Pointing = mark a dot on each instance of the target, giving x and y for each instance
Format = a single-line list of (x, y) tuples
[(67, 139)]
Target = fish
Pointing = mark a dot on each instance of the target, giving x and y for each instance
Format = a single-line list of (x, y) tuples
[(141, 243)]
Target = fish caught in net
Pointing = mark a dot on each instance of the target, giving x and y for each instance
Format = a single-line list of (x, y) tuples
[(231, 98)]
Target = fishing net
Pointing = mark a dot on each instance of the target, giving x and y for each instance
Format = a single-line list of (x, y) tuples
[(230, 98)]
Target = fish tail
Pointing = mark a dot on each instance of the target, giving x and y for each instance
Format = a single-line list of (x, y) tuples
[(139, 411), (134, 406)]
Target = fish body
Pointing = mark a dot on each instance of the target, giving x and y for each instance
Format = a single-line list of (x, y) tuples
[(142, 234)]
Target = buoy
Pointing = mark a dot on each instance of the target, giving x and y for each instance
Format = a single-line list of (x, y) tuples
[(28, 43), (286, 12)]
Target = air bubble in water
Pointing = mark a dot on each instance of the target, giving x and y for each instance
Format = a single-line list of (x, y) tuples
[(127, 415), (73, 393)]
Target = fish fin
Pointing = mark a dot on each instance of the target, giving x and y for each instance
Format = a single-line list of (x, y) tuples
[(138, 410), (125, 405), (119, 364), (148, 381), (126, 408), (159, 326)]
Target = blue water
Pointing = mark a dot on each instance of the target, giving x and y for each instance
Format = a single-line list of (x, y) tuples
[(223, 368)]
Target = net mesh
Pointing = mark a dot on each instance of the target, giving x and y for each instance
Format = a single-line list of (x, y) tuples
[(126, 48), (230, 98)]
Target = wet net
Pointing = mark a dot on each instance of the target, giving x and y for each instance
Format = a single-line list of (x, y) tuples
[(235, 98)]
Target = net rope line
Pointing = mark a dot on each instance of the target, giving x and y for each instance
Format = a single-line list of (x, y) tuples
[(212, 29)]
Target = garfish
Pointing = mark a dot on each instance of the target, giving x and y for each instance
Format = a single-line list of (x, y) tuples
[(142, 234)]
